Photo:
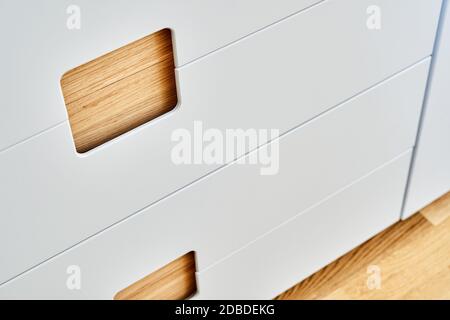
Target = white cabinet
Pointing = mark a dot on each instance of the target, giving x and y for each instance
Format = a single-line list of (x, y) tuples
[(230, 208), (430, 173), (346, 100), (279, 77)]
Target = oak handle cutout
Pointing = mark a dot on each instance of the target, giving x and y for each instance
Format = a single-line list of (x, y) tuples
[(121, 90), (174, 281)]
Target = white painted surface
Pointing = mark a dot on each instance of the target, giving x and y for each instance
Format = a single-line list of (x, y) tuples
[(430, 173), (53, 198), (231, 207), (41, 48), (310, 241)]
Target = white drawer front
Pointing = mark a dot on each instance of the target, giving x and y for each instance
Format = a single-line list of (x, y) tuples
[(231, 207), (277, 78), (311, 240), (314, 59), (43, 48)]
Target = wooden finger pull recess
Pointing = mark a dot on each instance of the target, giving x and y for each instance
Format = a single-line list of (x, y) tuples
[(121, 90), (174, 281)]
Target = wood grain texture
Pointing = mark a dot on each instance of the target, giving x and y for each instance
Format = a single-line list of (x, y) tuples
[(120, 90), (438, 211), (175, 281), (413, 257)]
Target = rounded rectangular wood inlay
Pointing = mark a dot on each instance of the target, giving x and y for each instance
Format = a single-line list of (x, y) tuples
[(174, 281), (121, 90)]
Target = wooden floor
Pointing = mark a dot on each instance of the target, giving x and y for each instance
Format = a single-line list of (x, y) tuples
[(410, 260)]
